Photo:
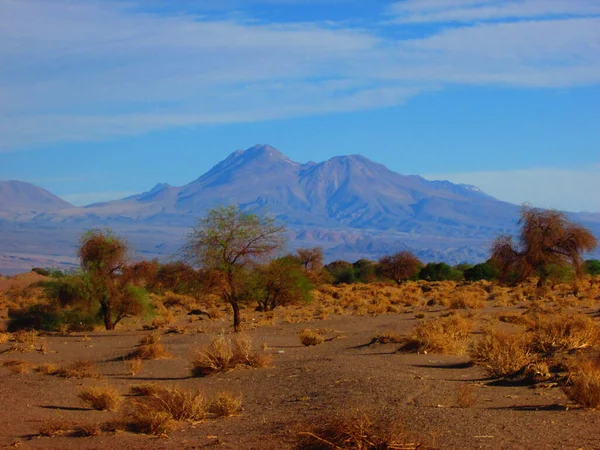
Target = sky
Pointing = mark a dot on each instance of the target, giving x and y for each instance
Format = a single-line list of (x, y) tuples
[(100, 99)]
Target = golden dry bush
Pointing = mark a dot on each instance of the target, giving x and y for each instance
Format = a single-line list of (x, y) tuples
[(310, 337), (503, 354), (5, 337), (134, 365), (175, 403), (149, 348), (565, 332), (102, 398), (217, 356), (144, 389), (223, 354), (55, 427), (388, 337), (465, 396), (46, 369), (357, 430), (17, 366), (87, 430), (78, 369), (225, 405), (147, 421), (583, 385), (448, 335)]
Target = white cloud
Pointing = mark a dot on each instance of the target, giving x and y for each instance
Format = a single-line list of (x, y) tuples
[(567, 190), (76, 70), (435, 11)]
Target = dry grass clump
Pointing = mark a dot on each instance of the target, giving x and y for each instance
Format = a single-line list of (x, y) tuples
[(583, 385), (133, 365), (4, 337), (565, 332), (54, 427), (46, 369), (465, 396), (160, 408), (225, 405), (503, 354), (467, 300), (448, 335), (17, 366), (223, 354), (102, 398), (78, 369), (356, 430), (388, 337), (310, 337), (144, 389), (149, 348)]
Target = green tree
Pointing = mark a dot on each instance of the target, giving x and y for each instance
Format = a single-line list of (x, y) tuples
[(439, 272), (592, 267), (228, 241), (399, 267), (483, 271), (103, 259), (547, 242), (279, 283)]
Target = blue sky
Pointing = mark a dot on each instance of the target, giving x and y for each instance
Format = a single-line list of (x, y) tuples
[(103, 98)]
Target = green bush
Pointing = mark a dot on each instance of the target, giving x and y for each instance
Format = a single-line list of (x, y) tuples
[(592, 266), (439, 272), (483, 271)]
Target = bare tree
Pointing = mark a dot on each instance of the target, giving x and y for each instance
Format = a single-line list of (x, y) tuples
[(399, 266), (311, 258), (228, 240), (547, 240)]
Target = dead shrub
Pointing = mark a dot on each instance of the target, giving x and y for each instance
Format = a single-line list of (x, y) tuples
[(465, 396), (310, 337), (150, 348), (356, 430), (133, 365), (144, 389), (447, 335), (46, 369), (17, 366), (583, 385), (223, 354), (54, 427), (225, 405), (102, 398), (388, 337), (564, 332), (158, 412), (87, 430), (503, 354), (78, 369)]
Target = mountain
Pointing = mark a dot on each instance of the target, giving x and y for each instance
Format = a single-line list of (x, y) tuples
[(349, 205), (20, 200)]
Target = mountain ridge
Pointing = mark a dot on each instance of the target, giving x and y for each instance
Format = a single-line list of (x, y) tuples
[(348, 204)]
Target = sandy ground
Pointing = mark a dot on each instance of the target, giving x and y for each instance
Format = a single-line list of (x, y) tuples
[(303, 385)]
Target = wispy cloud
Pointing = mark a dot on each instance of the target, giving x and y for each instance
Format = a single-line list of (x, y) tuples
[(436, 11), (567, 190), (75, 70)]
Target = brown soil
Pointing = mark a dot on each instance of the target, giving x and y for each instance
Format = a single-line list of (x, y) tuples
[(303, 385)]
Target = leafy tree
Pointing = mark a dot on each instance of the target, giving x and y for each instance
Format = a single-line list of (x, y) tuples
[(228, 240), (364, 270), (103, 259), (280, 283), (592, 267), (399, 267), (483, 271), (438, 272), (342, 272), (547, 241)]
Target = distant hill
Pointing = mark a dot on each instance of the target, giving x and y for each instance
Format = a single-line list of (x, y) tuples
[(350, 205), (20, 200)]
